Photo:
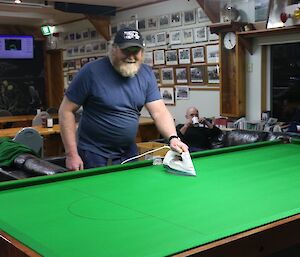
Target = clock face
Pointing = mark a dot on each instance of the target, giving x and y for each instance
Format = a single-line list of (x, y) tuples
[(229, 40)]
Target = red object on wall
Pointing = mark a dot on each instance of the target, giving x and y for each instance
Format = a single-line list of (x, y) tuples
[(283, 17)]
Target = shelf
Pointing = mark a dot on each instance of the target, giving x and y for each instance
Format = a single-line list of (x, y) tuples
[(269, 32), (246, 37), (226, 26)]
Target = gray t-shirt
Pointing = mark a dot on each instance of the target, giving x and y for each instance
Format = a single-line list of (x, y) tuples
[(111, 105)]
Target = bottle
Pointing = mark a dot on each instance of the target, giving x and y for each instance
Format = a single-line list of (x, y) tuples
[(44, 120)]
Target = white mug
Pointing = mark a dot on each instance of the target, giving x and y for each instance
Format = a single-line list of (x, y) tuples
[(195, 121)]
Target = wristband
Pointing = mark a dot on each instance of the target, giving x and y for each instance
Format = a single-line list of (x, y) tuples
[(171, 137)]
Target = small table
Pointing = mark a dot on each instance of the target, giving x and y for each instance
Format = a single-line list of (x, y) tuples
[(20, 120)]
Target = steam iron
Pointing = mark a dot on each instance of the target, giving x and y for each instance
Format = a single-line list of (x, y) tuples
[(179, 163)]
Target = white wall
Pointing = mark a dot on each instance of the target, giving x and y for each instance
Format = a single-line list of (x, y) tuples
[(207, 102)]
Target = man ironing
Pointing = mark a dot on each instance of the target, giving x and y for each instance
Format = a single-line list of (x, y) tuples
[(112, 92)]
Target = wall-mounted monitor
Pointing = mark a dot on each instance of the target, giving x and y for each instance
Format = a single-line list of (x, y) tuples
[(16, 47)]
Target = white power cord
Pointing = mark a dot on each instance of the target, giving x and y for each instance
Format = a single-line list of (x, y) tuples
[(143, 154)]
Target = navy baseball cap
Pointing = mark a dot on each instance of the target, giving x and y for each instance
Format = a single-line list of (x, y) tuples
[(127, 37)]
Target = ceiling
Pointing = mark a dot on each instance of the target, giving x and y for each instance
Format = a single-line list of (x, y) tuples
[(37, 12)]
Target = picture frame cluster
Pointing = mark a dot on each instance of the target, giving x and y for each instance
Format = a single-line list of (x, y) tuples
[(83, 43), (185, 64), (174, 19), (184, 69)]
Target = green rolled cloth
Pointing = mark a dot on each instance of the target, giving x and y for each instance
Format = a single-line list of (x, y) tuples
[(10, 149)]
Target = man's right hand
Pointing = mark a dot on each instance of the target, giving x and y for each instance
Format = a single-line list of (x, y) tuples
[(74, 162)]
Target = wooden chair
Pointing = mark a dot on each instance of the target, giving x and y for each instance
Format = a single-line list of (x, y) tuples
[(31, 138)]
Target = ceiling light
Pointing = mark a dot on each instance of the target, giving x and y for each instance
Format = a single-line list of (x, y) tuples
[(18, 1)]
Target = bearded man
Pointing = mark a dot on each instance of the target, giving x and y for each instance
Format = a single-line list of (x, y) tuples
[(112, 91)]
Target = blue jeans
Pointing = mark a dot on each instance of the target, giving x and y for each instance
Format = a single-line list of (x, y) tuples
[(93, 160)]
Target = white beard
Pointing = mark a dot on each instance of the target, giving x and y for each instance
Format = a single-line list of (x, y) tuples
[(127, 69)]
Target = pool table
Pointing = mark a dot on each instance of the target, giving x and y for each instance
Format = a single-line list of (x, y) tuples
[(244, 201)]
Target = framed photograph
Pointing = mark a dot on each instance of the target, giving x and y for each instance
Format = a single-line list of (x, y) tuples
[(122, 24), (94, 34), (72, 36), (157, 75), (77, 64), (171, 57), (213, 74), (182, 92), (198, 54), (212, 53), (188, 36), (152, 23), (78, 36), (212, 36), (175, 19), (113, 29), (181, 75), (103, 46), (159, 57), (175, 37), (167, 76), (142, 24), (164, 21), (184, 56), (95, 46), (69, 51), (189, 17), (84, 61), (161, 38), (82, 49), (71, 65), (88, 48), (85, 35), (202, 17), (75, 50), (148, 58), (197, 74), (200, 34), (132, 24), (167, 95), (150, 40), (261, 10)]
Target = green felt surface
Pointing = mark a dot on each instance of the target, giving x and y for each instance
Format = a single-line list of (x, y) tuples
[(146, 211)]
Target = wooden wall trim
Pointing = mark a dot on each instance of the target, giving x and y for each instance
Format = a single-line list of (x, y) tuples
[(263, 78)]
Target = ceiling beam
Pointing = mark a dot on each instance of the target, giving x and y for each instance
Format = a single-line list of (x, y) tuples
[(101, 24), (22, 30), (211, 8)]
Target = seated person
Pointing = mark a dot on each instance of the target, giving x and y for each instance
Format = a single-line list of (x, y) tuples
[(196, 132)]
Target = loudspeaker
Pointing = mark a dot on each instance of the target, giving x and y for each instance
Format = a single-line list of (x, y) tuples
[(100, 10)]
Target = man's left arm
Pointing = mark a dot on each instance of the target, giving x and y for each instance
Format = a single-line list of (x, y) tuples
[(165, 124)]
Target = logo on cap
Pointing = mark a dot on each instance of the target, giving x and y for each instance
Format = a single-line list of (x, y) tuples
[(131, 35)]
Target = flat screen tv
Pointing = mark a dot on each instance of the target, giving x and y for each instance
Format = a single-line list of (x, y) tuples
[(16, 47)]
